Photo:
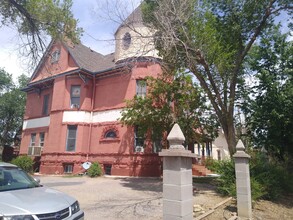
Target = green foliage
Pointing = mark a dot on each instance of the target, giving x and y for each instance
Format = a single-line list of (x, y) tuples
[(95, 170), (269, 179), (273, 176), (258, 191), (5, 81), (270, 110), (12, 102), (211, 39), (226, 184), (24, 162), (170, 100), (31, 16), (36, 19)]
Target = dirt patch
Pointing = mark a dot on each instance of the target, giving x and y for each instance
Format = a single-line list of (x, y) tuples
[(141, 198), (206, 198), (282, 209)]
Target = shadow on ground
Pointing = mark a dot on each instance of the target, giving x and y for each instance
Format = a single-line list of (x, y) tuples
[(204, 187), (285, 200), (142, 184), (53, 184)]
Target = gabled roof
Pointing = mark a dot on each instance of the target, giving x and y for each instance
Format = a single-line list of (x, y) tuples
[(90, 60), (84, 57)]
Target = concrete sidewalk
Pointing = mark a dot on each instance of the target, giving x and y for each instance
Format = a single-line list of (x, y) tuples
[(109, 198)]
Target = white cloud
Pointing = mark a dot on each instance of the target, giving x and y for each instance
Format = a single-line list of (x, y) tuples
[(94, 17), (10, 59)]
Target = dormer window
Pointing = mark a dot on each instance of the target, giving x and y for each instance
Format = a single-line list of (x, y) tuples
[(126, 41), (55, 56)]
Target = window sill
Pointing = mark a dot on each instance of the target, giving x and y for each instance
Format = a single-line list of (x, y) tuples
[(109, 140)]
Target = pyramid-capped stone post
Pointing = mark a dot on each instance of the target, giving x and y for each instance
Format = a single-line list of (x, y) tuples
[(244, 208), (177, 178), (176, 138)]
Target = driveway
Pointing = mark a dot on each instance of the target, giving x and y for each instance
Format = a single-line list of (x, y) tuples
[(109, 198)]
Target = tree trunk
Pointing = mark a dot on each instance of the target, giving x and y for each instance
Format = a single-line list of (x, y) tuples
[(229, 132)]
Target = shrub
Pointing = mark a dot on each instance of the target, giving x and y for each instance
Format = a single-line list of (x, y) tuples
[(226, 183), (272, 175), (24, 162), (95, 170), (269, 179)]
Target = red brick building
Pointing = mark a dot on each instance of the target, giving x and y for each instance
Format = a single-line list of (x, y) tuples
[(75, 97)]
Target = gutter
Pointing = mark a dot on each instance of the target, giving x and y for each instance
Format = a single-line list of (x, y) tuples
[(30, 85)]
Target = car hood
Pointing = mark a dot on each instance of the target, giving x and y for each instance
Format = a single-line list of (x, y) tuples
[(33, 201)]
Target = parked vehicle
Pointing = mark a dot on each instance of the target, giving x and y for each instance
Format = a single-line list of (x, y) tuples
[(24, 198)]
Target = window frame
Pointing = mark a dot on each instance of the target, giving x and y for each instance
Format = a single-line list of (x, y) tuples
[(66, 166), (110, 132), (141, 88), (219, 154), (138, 140), (42, 139), (157, 146), (45, 110), (126, 40), (55, 56), (71, 128), (33, 140), (75, 98)]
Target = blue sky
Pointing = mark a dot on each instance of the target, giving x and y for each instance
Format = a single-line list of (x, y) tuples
[(98, 18)]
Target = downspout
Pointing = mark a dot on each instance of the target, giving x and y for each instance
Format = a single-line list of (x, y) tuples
[(91, 118)]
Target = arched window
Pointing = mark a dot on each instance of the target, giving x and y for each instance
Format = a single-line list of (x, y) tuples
[(110, 134)]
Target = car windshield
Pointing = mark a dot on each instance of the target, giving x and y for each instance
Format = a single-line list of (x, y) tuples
[(14, 178)]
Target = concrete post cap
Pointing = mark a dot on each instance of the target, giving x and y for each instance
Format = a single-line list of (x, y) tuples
[(240, 153), (176, 137), (240, 146)]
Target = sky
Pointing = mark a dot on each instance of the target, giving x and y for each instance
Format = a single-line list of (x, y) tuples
[(98, 18)]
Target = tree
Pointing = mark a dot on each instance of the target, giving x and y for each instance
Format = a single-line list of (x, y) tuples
[(12, 102), (270, 110), (170, 100), (5, 81), (36, 19), (211, 39)]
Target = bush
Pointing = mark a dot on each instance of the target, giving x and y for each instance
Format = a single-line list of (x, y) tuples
[(226, 183), (95, 170), (272, 175), (269, 179), (24, 162)]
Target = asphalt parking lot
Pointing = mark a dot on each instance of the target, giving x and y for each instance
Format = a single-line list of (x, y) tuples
[(112, 198)]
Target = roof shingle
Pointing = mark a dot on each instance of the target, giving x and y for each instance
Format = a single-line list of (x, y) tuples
[(89, 59)]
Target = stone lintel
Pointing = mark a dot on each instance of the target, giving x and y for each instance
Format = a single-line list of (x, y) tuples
[(176, 153)]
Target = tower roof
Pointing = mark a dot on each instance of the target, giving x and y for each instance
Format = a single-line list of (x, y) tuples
[(133, 18)]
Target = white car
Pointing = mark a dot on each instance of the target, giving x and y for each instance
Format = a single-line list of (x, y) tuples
[(23, 198)]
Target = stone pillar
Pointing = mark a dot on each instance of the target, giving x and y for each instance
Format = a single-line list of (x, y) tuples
[(177, 178), (241, 158)]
